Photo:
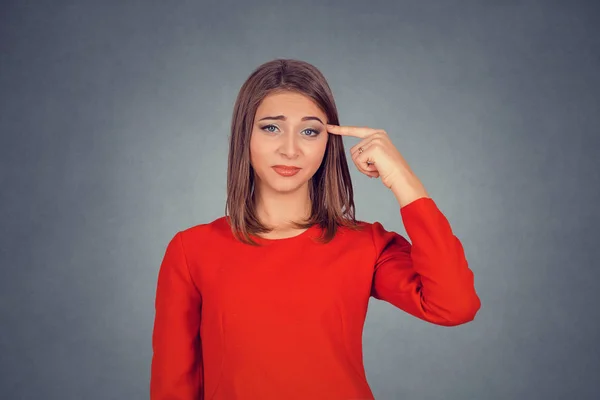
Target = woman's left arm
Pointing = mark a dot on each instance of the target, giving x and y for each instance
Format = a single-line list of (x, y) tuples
[(429, 278)]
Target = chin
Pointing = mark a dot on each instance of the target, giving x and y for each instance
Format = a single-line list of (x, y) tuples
[(283, 184), (286, 187)]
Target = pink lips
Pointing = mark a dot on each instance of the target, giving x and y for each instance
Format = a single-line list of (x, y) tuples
[(285, 170)]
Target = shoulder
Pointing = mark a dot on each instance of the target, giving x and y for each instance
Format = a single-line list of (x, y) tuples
[(205, 230), (199, 244), (370, 239), (362, 232), (363, 228), (379, 236), (204, 234)]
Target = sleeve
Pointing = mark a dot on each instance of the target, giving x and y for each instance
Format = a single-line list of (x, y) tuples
[(176, 370), (429, 279)]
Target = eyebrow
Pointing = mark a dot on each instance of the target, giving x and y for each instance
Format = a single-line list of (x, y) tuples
[(283, 118)]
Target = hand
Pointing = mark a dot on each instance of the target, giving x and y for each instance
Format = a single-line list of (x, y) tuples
[(375, 155)]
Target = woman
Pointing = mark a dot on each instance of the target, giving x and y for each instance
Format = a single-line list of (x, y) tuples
[(269, 301)]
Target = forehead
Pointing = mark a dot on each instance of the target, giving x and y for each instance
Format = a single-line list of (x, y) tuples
[(290, 104)]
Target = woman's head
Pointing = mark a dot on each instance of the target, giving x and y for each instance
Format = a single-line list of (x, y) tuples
[(261, 138)]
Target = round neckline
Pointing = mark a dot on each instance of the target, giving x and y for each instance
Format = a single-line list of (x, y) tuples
[(307, 232)]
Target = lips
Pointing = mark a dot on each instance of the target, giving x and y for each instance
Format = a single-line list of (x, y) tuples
[(286, 170)]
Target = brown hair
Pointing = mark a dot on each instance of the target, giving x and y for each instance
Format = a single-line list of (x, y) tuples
[(330, 187)]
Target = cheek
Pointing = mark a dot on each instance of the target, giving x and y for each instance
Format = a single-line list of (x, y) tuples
[(255, 155), (316, 155), (322, 146), (259, 156)]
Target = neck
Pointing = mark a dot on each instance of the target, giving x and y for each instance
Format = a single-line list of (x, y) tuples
[(278, 210)]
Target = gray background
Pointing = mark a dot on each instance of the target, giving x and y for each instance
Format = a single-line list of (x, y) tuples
[(114, 123)]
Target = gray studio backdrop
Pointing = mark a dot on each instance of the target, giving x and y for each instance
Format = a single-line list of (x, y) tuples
[(114, 122)]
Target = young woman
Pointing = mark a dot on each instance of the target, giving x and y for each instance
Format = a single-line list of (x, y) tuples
[(269, 301)]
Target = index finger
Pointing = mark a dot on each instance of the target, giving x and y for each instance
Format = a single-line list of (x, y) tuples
[(356, 131)]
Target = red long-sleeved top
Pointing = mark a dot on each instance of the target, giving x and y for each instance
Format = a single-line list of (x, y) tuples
[(285, 321)]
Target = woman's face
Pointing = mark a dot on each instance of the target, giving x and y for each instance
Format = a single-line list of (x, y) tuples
[(289, 130)]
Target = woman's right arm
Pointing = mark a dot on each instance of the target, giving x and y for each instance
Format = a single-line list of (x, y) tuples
[(176, 371)]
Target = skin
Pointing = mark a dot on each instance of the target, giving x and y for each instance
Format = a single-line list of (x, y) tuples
[(292, 141), (379, 158)]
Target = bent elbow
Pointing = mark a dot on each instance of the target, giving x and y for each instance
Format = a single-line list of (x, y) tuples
[(452, 313), (464, 311)]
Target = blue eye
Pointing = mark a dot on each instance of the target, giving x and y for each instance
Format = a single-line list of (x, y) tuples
[(316, 133), (268, 126)]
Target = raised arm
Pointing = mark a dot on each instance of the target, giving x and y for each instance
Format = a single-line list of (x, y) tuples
[(176, 371), (429, 279)]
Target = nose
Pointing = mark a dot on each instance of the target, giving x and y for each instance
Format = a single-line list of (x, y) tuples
[(289, 145)]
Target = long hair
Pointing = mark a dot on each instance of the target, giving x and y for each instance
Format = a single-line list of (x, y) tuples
[(330, 187)]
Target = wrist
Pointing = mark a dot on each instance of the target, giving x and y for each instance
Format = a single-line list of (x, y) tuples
[(408, 190)]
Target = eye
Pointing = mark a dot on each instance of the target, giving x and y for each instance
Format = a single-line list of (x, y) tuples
[(268, 126), (314, 131)]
